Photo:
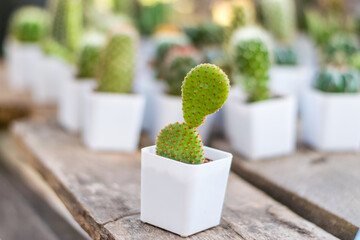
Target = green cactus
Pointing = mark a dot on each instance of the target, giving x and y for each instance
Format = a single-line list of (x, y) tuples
[(53, 48), (89, 54), (285, 56), (280, 18), (178, 61), (218, 57), (30, 24), (204, 91), (116, 64), (205, 34), (252, 61), (152, 13), (68, 23), (340, 48), (338, 80), (355, 61)]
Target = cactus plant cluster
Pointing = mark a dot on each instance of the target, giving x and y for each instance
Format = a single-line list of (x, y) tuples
[(177, 63), (338, 80), (30, 24), (204, 91), (89, 53), (117, 62), (68, 23), (251, 54)]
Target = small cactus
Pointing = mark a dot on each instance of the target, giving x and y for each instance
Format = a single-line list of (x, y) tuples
[(68, 23), (285, 56), (204, 91), (280, 18), (53, 48), (177, 63), (205, 34), (116, 63), (30, 24), (251, 54), (338, 80), (89, 54)]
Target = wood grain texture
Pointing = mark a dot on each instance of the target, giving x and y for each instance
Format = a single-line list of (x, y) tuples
[(102, 191), (323, 188)]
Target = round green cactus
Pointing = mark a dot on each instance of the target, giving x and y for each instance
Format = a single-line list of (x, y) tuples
[(180, 142), (68, 23), (285, 56), (280, 18), (89, 54), (30, 24), (116, 64), (204, 91), (338, 80)]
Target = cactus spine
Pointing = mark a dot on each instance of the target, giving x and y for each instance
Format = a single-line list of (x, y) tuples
[(89, 54), (116, 64), (67, 23), (204, 91), (30, 24)]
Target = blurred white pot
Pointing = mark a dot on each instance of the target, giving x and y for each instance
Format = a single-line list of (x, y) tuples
[(171, 200), (112, 122), (331, 121), (262, 129), (71, 102), (168, 109)]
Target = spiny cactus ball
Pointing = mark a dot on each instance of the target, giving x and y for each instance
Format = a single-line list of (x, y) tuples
[(30, 24), (89, 54), (180, 142), (204, 91)]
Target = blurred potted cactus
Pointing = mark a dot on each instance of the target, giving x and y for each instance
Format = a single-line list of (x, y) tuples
[(331, 110), (113, 115), (169, 197), (167, 105), (73, 92), (291, 73), (260, 125), (28, 27)]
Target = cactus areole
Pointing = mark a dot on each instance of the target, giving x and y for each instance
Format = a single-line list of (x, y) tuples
[(204, 91)]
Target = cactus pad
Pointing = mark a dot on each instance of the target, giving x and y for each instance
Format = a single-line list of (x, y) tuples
[(204, 91), (180, 142)]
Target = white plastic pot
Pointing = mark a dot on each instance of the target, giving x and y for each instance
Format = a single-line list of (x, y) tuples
[(71, 102), (262, 129), (112, 122), (168, 109), (331, 121), (290, 80), (183, 198)]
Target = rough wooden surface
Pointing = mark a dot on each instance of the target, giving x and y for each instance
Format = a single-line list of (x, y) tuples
[(102, 191), (13, 104), (323, 188)]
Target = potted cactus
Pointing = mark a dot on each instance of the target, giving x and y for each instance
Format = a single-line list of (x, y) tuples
[(169, 197), (331, 110), (291, 73), (260, 125), (28, 27), (74, 89), (113, 115)]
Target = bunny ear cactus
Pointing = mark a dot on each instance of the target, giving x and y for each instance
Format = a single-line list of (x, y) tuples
[(89, 54), (68, 23), (251, 54), (280, 18), (30, 24), (117, 62), (204, 91)]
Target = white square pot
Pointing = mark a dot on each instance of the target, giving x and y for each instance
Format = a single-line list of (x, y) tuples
[(168, 109), (112, 122), (183, 198), (290, 80), (331, 121), (13, 65), (71, 102), (263, 129)]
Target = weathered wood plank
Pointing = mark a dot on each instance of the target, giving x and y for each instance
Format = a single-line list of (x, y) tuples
[(102, 191), (13, 104), (323, 188)]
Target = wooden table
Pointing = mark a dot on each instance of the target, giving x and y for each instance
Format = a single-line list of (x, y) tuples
[(102, 192), (321, 187)]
